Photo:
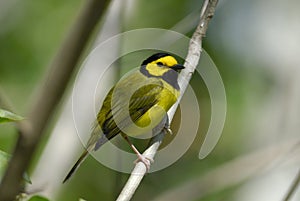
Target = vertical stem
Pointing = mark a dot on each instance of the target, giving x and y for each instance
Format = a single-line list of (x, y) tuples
[(49, 96)]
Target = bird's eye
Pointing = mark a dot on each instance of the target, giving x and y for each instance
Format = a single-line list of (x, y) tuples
[(159, 64)]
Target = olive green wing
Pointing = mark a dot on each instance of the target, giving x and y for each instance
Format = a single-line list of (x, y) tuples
[(139, 103), (126, 103)]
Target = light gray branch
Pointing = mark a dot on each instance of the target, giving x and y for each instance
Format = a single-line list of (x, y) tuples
[(191, 62)]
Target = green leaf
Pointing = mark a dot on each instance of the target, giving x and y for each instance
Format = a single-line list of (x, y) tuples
[(4, 158), (38, 198), (6, 116)]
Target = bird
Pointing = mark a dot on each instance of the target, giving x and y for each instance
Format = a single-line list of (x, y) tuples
[(137, 103)]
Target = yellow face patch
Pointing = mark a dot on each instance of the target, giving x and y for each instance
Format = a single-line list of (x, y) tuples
[(156, 70)]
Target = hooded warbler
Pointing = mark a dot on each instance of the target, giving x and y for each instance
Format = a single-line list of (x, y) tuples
[(136, 104)]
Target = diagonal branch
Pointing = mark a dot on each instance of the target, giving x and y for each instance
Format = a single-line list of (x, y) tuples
[(49, 96), (192, 59), (293, 188)]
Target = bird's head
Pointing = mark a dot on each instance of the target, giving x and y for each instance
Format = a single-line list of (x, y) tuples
[(160, 63)]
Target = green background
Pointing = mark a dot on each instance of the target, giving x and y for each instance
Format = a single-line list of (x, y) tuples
[(252, 43)]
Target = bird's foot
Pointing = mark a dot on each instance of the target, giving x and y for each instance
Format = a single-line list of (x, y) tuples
[(147, 161), (168, 130)]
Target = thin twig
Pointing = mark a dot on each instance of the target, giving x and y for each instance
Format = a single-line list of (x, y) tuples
[(49, 96), (293, 187), (191, 62)]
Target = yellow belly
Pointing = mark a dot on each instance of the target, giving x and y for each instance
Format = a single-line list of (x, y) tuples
[(155, 114)]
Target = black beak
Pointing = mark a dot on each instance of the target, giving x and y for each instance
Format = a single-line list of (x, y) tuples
[(178, 67)]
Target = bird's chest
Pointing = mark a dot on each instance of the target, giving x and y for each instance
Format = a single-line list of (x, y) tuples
[(167, 97), (155, 114)]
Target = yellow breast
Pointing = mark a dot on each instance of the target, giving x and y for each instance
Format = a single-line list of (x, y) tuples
[(155, 114)]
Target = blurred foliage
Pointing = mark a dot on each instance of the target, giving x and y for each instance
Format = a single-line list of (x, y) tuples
[(6, 116), (38, 198), (29, 40), (163, 15), (31, 32)]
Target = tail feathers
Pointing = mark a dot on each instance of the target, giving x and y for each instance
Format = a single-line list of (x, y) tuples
[(76, 165)]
